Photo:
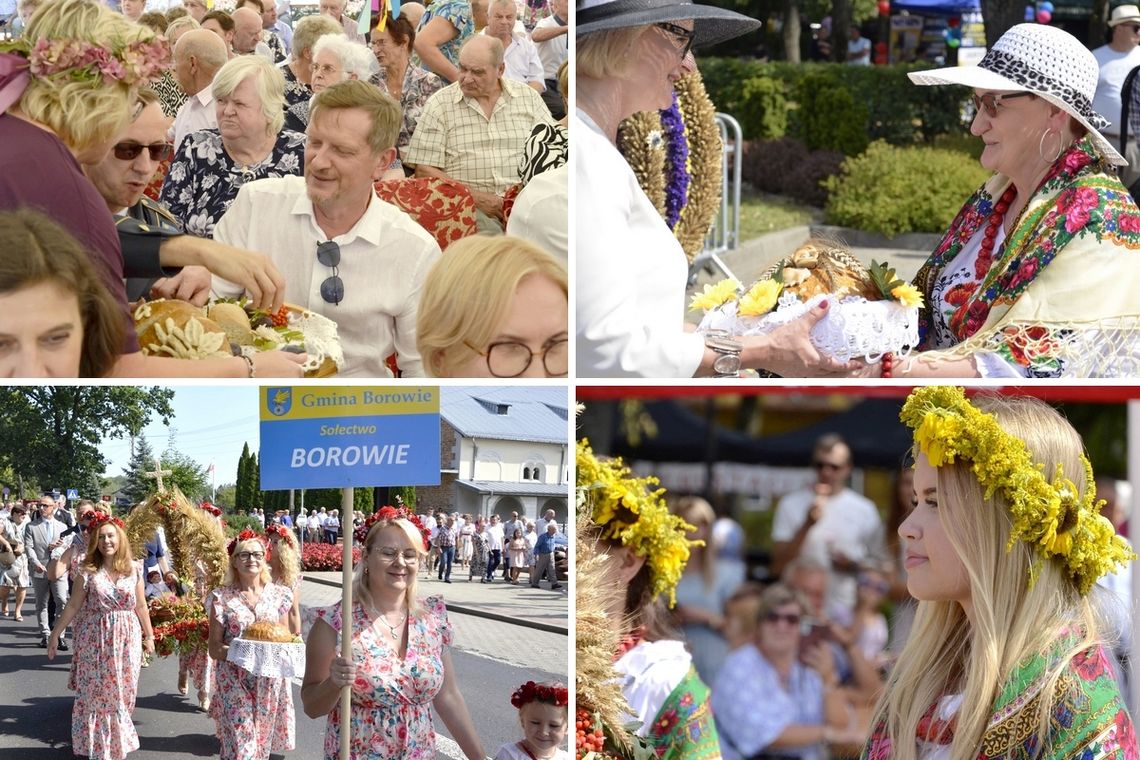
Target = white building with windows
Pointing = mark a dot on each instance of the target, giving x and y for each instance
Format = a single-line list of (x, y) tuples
[(504, 449)]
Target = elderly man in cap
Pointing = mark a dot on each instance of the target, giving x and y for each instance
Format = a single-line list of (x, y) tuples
[(1116, 59)]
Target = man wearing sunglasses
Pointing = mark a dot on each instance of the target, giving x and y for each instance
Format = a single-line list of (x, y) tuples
[(1116, 60), (158, 258), (828, 523), (344, 253)]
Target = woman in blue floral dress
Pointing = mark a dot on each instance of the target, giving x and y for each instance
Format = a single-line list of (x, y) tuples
[(400, 667), (249, 144)]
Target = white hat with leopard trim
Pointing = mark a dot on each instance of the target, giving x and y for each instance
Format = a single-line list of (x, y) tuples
[(1044, 60)]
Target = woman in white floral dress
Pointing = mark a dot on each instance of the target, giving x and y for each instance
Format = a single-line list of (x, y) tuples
[(112, 630), (212, 165), (254, 714)]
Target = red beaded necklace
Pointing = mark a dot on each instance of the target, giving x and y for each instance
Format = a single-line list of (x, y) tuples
[(997, 216), (629, 641), (935, 730)]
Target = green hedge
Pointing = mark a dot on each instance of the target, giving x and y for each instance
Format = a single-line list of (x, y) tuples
[(897, 110), (892, 190)]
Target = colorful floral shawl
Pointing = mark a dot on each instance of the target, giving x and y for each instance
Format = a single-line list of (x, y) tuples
[(684, 728), (1059, 297), (1089, 720)]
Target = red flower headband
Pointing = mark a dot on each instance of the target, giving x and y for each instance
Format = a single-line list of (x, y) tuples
[(247, 535), (273, 529), (388, 512), (98, 519), (552, 694), (208, 507)]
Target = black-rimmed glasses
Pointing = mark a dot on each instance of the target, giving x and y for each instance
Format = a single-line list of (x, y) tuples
[(990, 101), (129, 151), (332, 289), (511, 359), (678, 34)]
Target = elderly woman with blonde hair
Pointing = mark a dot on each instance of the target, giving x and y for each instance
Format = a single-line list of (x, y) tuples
[(494, 306), (249, 144)]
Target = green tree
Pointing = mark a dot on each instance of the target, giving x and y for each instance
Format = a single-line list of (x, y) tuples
[(253, 479), (52, 433), (138, 486), (241, 497), (407, 493), (187, 474), (224, 499)]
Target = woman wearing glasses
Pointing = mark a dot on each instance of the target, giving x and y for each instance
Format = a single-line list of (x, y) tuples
[(804, 708), (253, 714), (1033, 278), (632, 270), (249, 144), (400, 667), (494, 307)]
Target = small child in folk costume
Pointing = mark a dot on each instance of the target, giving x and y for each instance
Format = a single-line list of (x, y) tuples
[(543, 712)]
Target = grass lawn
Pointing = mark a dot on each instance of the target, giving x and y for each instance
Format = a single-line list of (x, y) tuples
[(761, 213)]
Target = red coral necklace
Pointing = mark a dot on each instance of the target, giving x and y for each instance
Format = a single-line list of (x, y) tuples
[(935, 730), (997, 216)]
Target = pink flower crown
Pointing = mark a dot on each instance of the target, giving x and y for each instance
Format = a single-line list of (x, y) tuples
[(552, 694), (388, 512), (246, 535), (81, 61), (281, 532)]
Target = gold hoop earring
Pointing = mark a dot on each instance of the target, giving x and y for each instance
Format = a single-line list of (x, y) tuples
[(1041, 146)]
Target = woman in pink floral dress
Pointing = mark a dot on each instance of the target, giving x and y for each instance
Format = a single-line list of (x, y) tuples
[(112, 628), (254, 714), (400, 666)]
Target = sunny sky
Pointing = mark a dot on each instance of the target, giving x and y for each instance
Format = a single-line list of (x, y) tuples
[(212, 424)]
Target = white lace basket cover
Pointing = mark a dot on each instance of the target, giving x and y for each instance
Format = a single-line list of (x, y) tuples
[(268, 658), (853, 327)]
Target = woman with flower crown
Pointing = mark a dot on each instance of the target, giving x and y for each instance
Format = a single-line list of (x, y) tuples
[(625, 520), (112, 630), (1005, 543), (285, 568), (400, 667), (253, 714)]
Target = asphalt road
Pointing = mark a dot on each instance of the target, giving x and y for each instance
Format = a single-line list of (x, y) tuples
[(35, 704)]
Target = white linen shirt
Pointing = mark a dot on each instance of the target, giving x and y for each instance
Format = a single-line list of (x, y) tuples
[(384, 260), (198, 112), (552, 52), (1114, 68), (521, 60), (630, 306)]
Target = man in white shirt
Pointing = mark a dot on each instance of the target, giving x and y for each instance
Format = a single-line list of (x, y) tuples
[(520, 56), (540, 523), (494, 546), (198, 55), (1116, 60), (344, 253), (550, 36), (828, 523), (858, 48), (247, 33), (335, 9), (541, 213), (508, 533)]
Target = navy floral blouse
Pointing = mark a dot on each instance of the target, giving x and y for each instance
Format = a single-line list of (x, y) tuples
[(203, 180)]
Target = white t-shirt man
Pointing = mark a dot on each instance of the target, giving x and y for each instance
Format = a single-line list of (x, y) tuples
[(850, 526), (1114, 68), (495, 532), (861, 47)]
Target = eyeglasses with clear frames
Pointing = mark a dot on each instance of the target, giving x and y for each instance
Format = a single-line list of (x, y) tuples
[(678, 34), (388, 554), (511, 359)]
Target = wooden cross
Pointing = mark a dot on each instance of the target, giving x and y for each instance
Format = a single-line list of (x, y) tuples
[(158, 473)]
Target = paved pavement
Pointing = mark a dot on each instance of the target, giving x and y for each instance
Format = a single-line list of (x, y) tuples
[(491, 657)]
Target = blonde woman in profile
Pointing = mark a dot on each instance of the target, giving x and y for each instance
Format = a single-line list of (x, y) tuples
[(1003, 549), (494, 307)]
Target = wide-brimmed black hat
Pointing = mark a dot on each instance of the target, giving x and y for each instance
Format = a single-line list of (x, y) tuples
[(710, 24)]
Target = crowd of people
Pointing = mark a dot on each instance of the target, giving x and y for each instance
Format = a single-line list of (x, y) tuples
[(134, 174), (401, 671), (1008, 585)]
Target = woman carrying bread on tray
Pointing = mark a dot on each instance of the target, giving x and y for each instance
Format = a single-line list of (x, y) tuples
[(253, 714)]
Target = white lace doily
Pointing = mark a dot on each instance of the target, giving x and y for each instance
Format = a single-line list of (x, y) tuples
[(853, 327), (267, 658)]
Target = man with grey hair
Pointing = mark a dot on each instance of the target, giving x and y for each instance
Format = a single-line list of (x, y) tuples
[(344, 253), (334, 9), (473, 131), (42, 537), (509, 528), (520, 56), (198, 55), (544, 555)]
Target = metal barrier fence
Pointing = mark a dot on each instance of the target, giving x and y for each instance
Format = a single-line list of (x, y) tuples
[(724, 235)]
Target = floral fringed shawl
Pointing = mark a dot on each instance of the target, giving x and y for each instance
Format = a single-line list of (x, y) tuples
[(1088, 719), (1060, 297), (684, 727)]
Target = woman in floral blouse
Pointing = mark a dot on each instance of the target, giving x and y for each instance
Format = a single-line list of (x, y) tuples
[(249, 144), (410, 85), (253, 714), (400, 667), (1033, 279)]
